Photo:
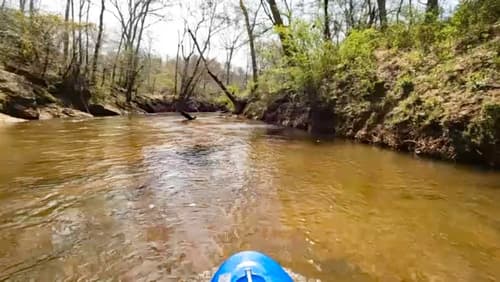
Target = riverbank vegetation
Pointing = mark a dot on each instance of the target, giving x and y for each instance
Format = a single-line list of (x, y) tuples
[(415, 81), (418, 77), (68, 62)]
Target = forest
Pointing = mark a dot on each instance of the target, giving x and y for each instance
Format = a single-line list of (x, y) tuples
[(410, 75)]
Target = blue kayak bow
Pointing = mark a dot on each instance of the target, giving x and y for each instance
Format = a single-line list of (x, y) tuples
[(251, 266)]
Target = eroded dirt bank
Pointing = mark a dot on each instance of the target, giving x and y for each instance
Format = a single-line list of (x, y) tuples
[(25, 97)]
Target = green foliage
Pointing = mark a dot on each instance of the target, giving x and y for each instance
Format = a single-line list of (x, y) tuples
[(496, 60), (476, 15), (310, 61), (223, 100), (485, 130), (357, 49), (422, 35), (405, 84), (99, 95), (32, 40), (417, 112), (476, 80), (399, 36)]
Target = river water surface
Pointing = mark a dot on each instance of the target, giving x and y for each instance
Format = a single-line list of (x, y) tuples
[(156, 198)]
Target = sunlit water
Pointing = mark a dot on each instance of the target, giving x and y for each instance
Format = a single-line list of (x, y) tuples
[(156, 198)]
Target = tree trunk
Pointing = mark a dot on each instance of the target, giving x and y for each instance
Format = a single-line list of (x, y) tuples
[(432, 6), (350, 16), (87, 38), (98, 43), (22, 5), (184, 78), (251, 42), (326, 31), (372, 13), (275, 13), (133, 72), (103, 76), (32, 7), (432, 10), (115, 62), (400, 7), (73, 32), (176, 76), (228, 64), (382, 13), (80, 36), (66, 33), (278, 22), (410, 12), (46, 60)]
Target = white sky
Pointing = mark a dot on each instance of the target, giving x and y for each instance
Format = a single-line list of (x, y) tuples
[(164, 34)]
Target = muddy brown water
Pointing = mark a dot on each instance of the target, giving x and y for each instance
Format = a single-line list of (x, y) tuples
[(156, 198)]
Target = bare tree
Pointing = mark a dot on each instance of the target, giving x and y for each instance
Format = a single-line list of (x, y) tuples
[(230, 41), (188, 65), (191, 71), (31, 7), (132, 21), (398, 12), (81, 7), (73, 33), (66, 32), (98, 42), (250, 27), (117, 57), (382, 13), (22, 5), (230, 47), (87, 37), (326, 16), (176, 76)]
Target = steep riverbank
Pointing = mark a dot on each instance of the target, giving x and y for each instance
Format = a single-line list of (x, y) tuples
[(25, 97), (437, 106)]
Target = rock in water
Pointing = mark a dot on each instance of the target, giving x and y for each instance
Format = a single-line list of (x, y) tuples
[(5, 119), (103, 110)]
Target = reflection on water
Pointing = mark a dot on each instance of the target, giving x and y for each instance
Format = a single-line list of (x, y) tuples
[(155, 198)]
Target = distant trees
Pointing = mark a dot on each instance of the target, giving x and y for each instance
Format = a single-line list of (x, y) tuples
[(266, 31), (132, 19)]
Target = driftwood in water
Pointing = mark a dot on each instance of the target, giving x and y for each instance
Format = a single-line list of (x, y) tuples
[(187, 116)]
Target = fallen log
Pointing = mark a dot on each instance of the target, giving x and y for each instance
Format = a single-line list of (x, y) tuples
[(187, 116)]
